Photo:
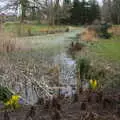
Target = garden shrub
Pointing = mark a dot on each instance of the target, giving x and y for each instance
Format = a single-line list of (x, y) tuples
[(104, 31)]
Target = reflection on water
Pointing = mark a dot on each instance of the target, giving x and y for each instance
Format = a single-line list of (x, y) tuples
[(67, 69)]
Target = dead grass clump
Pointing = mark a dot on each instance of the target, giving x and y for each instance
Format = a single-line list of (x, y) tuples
[(9, 43), (44, 31), (75, 47), (115, 30), (89, 34)]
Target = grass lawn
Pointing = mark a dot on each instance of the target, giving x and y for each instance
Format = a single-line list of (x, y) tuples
[(109, 49), (34, 29)]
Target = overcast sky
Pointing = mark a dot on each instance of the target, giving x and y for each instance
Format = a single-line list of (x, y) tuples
[(100, 1)]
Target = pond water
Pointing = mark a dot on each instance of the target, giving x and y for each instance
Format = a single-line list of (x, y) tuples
[(67, 76), (67, 69), (67, 79)]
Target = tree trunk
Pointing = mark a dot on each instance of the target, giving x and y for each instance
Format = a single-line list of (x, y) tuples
[(118, 19), (23, 9), (22, 16)]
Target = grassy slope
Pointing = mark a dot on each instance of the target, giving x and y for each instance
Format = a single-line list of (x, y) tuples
[(109, 49)]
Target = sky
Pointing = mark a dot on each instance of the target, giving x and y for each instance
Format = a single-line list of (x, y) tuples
[(100, 1), (1, 3)]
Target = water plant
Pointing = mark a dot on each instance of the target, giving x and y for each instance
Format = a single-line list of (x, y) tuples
[(82, 68)]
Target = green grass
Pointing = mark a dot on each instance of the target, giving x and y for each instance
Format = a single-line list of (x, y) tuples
[(109, 49), (35, 29)]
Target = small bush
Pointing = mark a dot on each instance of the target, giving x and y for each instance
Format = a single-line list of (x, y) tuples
[(29, 32), (104, 31)]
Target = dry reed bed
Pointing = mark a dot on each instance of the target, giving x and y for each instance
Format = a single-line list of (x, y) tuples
[(10, 43), (19, 75), (17, 67)]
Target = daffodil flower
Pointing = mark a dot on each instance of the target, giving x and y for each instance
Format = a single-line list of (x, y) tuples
[(13, 102), (93, 84)]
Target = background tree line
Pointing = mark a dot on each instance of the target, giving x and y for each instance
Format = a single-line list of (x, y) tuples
[(111, 11), (66, 11)]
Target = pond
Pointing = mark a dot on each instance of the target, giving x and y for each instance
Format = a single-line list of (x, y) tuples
[(67, 79), (67, 69), (52, 47)]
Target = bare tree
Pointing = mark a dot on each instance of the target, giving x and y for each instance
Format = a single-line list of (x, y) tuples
[(116, 11), (106, 10), (111, 10), (52, 10), (14, 5)]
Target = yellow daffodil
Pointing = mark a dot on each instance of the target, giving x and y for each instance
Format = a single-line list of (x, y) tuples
[(13, 101), (93, 84), (15, 97), (91, 81)]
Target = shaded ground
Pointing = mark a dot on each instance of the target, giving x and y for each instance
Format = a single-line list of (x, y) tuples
[(85, 109)]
